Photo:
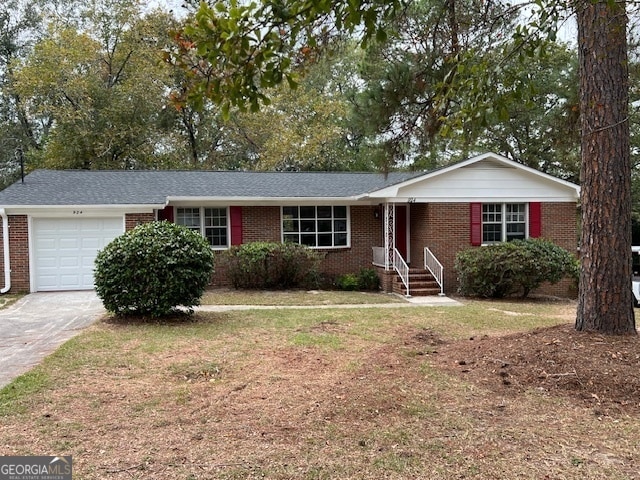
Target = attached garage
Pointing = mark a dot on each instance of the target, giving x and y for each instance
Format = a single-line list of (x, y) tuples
[(64, 250)]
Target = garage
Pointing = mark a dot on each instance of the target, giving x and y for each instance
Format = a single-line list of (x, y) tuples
[(64, 250)]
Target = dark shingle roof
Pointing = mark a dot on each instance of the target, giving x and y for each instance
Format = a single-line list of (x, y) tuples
[(143, 187)]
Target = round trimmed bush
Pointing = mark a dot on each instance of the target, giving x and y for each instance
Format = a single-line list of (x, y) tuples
[(514, 267), (153, 269)]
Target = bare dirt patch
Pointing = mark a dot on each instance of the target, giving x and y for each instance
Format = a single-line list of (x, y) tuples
[(597, 371)]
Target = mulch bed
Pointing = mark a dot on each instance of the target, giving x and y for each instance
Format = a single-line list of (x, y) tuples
[(598, 371)]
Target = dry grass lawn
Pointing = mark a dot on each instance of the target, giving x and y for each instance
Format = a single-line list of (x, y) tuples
[(230, 296), (490, 390)]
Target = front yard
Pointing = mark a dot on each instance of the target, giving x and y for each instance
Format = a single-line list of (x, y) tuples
[(222, 296), (426, 392)]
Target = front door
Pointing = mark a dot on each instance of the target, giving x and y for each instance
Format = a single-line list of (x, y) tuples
[(401, 231)]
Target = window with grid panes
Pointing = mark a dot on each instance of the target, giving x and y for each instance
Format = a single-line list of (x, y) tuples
[(503, 222), (324, 226), (211, 223)]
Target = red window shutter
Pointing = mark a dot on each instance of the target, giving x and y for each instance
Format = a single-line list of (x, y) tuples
[(535, 219), (476, 224), (236, 225), (166, 214)]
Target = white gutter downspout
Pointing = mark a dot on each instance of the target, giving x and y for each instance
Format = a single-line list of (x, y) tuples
[(5, 242)]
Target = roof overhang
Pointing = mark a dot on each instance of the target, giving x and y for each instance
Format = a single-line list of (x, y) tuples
[(268, 201)]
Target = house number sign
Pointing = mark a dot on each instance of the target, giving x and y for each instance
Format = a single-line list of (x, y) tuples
[(77, 212)]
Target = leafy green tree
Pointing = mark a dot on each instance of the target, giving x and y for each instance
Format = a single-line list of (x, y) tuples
[(19, 23), (539, 123), (99, 90), (406, 104), (533, 113), (309, 127), (244, 48)]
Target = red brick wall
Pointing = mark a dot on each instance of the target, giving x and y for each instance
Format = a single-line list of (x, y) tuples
[(132, 220), (444, 228), (261, 224), (366, 232), (18, 253), (560, 225)]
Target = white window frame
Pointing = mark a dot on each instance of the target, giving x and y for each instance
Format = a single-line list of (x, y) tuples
[(286, 236), (202, 227), (503, 220)]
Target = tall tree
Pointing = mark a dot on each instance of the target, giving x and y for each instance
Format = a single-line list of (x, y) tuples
[(605, 301), (533, 112), (237, 50), (405, 101), (538, 121), (99, 89), (19, 23)]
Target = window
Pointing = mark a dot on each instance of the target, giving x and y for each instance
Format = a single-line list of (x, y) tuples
[(211, 223), (503, 222), (316, 226)]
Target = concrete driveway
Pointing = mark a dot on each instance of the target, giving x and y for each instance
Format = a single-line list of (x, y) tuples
[(37, 324)]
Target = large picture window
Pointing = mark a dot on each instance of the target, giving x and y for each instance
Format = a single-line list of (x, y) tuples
[(211, 223), (504, 222), (323, 226)]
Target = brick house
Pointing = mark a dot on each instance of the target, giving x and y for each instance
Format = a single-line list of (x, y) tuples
[(413, 223)]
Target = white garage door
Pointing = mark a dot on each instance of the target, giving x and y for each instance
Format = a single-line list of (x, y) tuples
[(65, 249)]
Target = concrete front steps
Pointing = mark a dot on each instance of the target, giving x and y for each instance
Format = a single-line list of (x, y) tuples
[(421, 284)]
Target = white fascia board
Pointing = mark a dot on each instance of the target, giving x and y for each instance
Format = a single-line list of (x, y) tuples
[(475, 199), (392, 191), (77, 210), (259, 201)]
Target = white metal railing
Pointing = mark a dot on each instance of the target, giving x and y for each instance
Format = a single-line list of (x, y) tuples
[(432, 264), (379, 257), (402, 268)]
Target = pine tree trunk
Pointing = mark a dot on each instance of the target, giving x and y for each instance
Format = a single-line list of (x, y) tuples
[(605, 302)]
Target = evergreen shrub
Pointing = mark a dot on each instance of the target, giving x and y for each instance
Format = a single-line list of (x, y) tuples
[(348, 282), (365, 279), (508, 268), (271, 265), (152, 269)]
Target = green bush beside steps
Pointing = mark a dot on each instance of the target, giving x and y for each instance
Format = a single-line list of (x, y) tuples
[(517, 267)]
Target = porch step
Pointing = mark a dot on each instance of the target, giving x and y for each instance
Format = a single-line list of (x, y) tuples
[(421, 284)]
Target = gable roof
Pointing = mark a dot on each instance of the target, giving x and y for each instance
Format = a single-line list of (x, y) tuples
[(157, 187), (485, 177)]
